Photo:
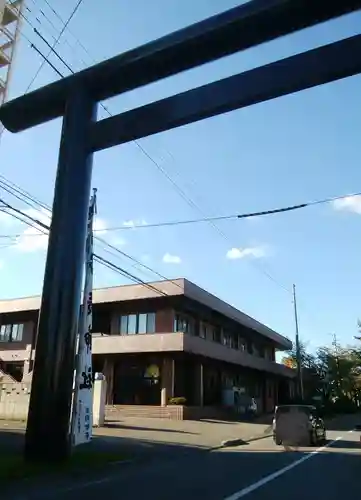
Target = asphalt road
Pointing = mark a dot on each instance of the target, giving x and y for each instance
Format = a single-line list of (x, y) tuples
[(258, 470)]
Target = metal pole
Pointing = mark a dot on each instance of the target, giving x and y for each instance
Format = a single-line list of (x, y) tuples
[(338, 374), (298, 350), (47, 434)]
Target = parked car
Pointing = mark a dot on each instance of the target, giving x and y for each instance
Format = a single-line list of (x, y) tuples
[(298, 424)]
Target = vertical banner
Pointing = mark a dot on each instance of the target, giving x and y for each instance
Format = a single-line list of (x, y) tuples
[(82, 415)]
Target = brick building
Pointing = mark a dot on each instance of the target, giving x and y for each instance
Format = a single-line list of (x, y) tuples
[(171, 339)]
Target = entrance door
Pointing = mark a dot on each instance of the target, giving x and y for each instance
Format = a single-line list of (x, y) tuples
[(136, 385)]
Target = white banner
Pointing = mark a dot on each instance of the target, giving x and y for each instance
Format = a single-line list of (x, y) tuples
[(82, 416)]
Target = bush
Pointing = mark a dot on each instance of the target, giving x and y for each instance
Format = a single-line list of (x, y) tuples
[(177, 401)]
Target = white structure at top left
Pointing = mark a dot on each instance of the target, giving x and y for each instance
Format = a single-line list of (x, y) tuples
[(10, 16)]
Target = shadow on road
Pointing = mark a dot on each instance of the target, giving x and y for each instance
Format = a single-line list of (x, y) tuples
[(129, 451), (115, 424), (204, 474), (347, 444), (343, 423)]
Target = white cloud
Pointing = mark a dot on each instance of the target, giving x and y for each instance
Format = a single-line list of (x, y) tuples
[(100, 225), (348, 204), (5, 219), (115, 240), (171, 259), (33, 239), (134, 223), (242, 253)]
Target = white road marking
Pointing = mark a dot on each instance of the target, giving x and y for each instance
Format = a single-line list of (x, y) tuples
[(275, 475)]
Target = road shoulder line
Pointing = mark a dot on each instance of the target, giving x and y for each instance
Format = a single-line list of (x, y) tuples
[(267, 479)]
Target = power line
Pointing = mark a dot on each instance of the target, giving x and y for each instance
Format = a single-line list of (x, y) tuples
[(124, 254), (19, 212), (56, 29), (246, 215), (100, 259), (79, 2), (52, 50), (127, 274), (103, 261), (180, 191), (63, 22), (18, 218), (23, 196)]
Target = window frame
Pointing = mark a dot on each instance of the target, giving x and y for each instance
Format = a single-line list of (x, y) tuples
[(217, 335), (148, 322), (9, 333), (203, 330), (188, 320)]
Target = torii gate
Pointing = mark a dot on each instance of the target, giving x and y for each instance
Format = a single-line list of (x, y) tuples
[(75, 99)]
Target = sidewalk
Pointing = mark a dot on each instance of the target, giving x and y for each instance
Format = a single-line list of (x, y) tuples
[(134, 440), (142, 434), (204, 434)]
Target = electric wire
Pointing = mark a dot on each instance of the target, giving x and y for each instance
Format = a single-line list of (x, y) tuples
[(74, 11), (180, 191), (46, 227)]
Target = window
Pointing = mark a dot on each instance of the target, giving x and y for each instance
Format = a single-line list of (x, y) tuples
[(142, 323), (217, 335), (132, 324), (146, 323), (184, 324), (5, 333), (206, 331), (11, 333), (227, 339), (203, 331), (242, 344), (17, 333), (256, 351)]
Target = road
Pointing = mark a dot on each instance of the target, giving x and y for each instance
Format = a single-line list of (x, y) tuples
[(258, 470)]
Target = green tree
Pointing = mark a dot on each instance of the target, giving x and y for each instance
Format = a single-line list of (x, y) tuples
[(341, 369)]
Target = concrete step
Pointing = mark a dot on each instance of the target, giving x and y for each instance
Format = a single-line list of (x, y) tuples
[(117, 412)]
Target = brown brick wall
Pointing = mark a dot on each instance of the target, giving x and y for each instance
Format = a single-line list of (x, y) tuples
[(164, 321), (270, 395)]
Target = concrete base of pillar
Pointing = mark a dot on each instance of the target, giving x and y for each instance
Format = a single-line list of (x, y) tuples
[(163, 397), (99, 398)]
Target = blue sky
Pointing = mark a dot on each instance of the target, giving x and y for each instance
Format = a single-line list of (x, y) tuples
[(294, 149)]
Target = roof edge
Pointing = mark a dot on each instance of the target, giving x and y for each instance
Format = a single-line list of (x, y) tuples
[(193, 291)]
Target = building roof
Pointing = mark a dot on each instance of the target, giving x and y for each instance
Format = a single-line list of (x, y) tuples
[(155, 289)]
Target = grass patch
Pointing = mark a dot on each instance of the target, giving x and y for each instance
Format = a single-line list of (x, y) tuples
[(13, 467)]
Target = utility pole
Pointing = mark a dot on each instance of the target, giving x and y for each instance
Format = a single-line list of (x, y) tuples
[(298, 350), (338, 374)]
